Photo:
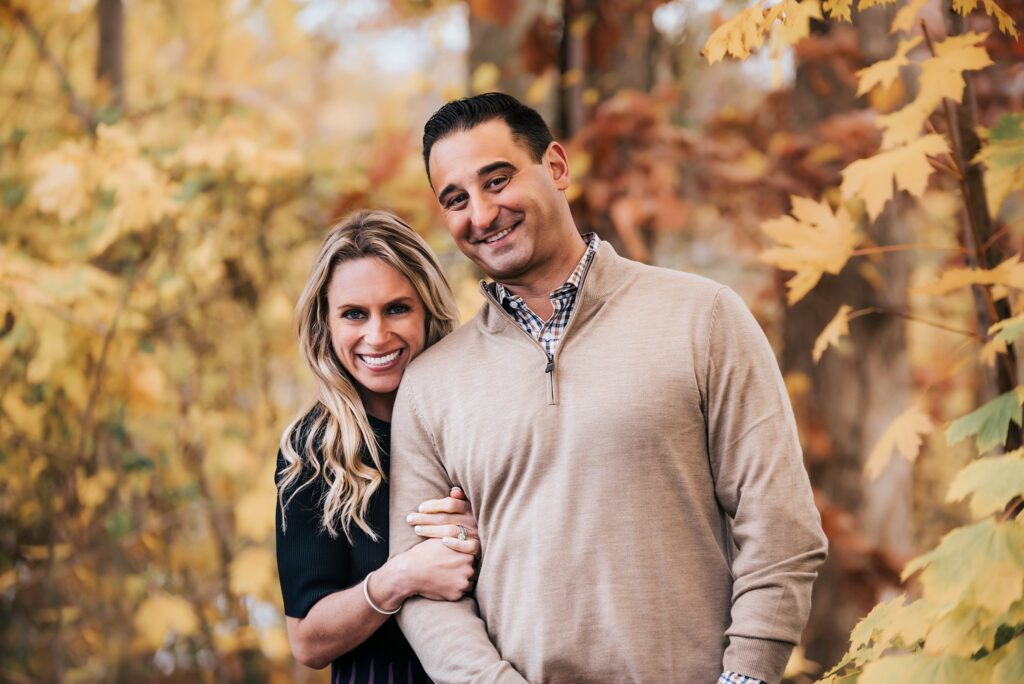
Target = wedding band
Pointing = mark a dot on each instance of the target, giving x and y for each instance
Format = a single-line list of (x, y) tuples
[(462, 533)]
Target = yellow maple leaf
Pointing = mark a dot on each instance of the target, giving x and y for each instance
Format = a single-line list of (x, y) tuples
[(738, 36), (1006, 23), (540, 88), (872, 179), (829, 336), (254, 514), (888, 70), (162, 614), (63, 183), (941, 77), (838, 9), (93, 489), (253, 573), (796, 20), (906, 17), (815, 240), (485, 77), (904, 436), (868, 4), (1009, 273)]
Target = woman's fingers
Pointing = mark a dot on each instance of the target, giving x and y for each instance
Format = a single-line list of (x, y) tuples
[(441, 531), (470, 546), (445, 505)]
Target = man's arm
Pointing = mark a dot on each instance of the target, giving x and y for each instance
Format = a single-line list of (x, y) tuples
[(449, 637), (761, 484)]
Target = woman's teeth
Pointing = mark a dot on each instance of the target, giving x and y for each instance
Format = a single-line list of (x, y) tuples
[(380, 360)]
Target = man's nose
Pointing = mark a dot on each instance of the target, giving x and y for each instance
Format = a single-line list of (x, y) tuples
[(484, 213)]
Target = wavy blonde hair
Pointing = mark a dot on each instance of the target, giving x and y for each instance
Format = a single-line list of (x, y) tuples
[(331, 435)]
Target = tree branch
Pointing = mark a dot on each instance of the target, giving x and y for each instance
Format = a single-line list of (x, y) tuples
[(78, 108)]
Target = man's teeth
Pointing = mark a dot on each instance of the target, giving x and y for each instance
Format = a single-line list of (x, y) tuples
[(498, 236), (380, 360)]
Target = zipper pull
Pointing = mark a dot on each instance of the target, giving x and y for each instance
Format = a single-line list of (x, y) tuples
[(551, 364)]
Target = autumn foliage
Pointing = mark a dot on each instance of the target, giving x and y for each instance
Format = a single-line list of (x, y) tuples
[(156, 227)]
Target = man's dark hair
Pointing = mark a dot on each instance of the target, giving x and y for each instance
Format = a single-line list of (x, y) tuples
[(528, 127)]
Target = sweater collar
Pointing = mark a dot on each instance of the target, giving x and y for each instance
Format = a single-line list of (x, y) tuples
[(606, 273)]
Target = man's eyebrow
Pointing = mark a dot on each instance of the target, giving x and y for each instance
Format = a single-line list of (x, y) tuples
[(480, 173)]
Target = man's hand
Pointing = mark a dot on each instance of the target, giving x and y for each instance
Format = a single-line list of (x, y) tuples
[(442, 519)]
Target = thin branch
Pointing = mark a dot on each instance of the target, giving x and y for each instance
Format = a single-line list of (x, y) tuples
[(946, 167), (78, 108), (979, 254), (97, 374), (911, 317), (864, 251)]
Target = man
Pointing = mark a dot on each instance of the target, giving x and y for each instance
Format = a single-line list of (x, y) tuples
[(622, 432)]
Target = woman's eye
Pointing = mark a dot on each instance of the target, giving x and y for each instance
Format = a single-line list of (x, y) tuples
[(398, 309), (352, 315)]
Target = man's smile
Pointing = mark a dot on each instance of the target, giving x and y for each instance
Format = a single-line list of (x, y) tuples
[(496, 237)]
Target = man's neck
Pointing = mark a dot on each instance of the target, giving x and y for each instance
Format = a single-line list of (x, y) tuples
[(536, 292)]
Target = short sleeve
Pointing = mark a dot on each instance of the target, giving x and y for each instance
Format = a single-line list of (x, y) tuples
[(310, 564)]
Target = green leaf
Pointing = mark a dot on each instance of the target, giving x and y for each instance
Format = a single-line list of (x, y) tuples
[(989, 423), (922, 667), (13, 193), (980, 564), (193, 186), (990, 482)]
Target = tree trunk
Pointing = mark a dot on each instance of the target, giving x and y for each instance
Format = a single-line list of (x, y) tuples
[(606, 47), (110, 57), (524, 46)]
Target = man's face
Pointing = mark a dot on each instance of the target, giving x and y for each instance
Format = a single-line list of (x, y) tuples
[(501, 207)]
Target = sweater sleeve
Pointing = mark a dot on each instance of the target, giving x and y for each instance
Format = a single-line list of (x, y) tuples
[(310, 564), (761, 484), (450, 638)]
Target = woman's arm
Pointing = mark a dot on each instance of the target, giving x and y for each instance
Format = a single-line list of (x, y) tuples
[(341, 621)]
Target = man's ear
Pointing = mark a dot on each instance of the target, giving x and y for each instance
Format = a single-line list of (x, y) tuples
[(556, 161)]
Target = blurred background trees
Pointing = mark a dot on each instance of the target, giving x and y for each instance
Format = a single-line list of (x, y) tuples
[(168, 168)]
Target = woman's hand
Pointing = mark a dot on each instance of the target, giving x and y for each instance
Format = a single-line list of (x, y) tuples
[(441, 518), (433, 570)]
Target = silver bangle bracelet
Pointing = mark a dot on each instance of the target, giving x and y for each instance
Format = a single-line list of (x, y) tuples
[(366, 594)]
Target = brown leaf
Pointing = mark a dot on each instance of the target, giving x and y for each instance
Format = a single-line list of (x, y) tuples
[(500, 12)]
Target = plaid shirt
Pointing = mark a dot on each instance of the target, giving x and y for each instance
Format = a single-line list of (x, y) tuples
[(549, 334), (563, 299)]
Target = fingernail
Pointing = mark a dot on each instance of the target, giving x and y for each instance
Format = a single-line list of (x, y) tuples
[(418, 529), (408, 518), (420, 509), (447, 540), (457, 487)]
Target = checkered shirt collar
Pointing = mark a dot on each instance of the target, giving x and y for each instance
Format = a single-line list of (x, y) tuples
[(571, 284)]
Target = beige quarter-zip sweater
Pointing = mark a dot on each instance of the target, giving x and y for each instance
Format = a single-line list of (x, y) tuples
[(644, 511)]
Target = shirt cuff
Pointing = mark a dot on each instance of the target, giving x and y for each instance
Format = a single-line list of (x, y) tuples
[(762, 658), (737, 678)]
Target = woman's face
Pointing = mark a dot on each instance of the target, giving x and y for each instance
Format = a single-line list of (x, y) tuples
[(378, 325)]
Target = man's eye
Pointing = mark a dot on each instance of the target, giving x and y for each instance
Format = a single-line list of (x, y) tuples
[(497, 182), (455, 200)]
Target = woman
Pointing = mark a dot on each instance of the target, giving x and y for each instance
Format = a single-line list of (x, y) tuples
[(375, 299)]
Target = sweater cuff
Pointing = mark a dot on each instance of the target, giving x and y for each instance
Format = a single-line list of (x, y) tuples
[(762, 658)]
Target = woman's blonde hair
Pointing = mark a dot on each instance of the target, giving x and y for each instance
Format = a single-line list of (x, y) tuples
[(330, 437)]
